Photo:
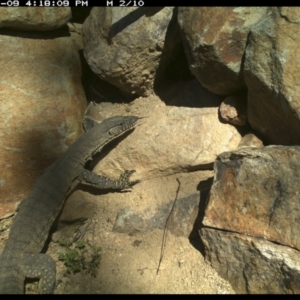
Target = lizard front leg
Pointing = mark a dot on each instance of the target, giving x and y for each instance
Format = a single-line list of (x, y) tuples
[(89, 178)]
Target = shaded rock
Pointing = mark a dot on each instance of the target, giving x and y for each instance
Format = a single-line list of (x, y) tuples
[(189, 94), (273, 78), (255, 192), (75, 27), (42, 104), (126, 47), (252, 265), (75, 218), (180, 223), (171, 140), (77, 208), (250, 140), (75, 31), (214, 39), (99, 91), (96, 90), (34, 18), (183, 93), (234, 110), (79, 14)]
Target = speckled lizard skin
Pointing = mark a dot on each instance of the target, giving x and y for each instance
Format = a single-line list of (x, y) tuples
[(21, 256)]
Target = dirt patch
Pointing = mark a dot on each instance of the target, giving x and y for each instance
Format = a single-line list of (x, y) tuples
[(129, 262)]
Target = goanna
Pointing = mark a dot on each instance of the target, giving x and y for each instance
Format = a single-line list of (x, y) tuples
[(21, 256)]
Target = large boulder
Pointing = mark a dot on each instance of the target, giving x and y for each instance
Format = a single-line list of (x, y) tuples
[(42, 104), (214, 40), (252, 265), (252, 216), (171, 140), (255, 192), (34, 18), (130, 48), (273, 78)]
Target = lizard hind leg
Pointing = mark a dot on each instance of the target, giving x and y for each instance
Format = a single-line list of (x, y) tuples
[(39, 265)]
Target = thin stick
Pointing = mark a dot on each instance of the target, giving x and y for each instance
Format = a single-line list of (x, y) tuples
[(166, 229)]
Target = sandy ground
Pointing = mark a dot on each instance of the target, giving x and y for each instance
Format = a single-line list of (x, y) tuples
[(129, 262)]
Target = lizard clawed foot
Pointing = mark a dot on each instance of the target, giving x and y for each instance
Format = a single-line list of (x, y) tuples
[(124, 179)]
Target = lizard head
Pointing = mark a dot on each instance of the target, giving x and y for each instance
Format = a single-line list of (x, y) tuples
[(109, 129), (119, 124)]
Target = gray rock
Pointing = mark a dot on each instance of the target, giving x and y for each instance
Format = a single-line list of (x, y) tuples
[(180, 222), (126, 46), (214, 40), (255, 192), (273, 78), (252, 265)]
